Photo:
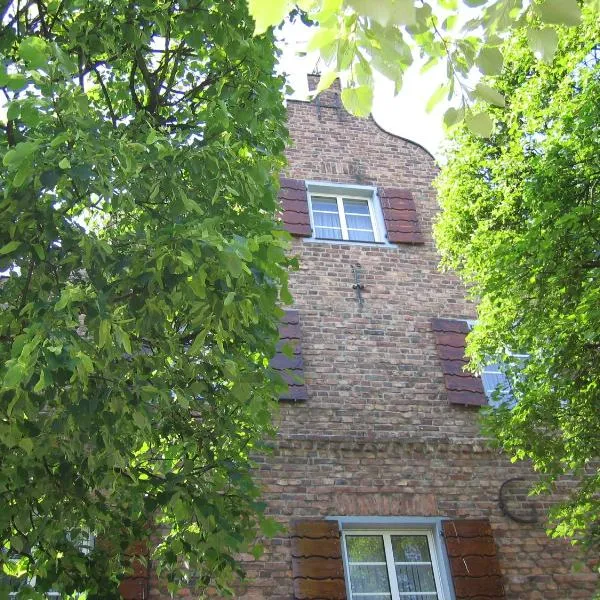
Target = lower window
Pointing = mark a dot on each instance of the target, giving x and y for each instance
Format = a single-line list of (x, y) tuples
[(395, 564)]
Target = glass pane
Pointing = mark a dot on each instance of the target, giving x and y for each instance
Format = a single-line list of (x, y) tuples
[(415, 578), (355, 222), (320, 203), (409, 596), (371, 596), (411, 548), (365, 548), (359, 207), (369, 578), (360, 236), (327, 225), (494, 379)]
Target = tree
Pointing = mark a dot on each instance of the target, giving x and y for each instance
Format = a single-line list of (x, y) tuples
[(140, 269), (520, 224), (357, 37)]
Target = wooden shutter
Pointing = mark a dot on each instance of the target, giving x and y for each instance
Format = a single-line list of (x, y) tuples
[(463, 387), (291, 368), (400, 216), (317, 566), (473, 560), (294, 204), (136, 585)]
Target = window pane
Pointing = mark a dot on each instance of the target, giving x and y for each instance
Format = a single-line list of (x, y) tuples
[(415, 578), (322, 203), (327, 225), (371, 596), (493, 379), (411, 548), (357, 207), (369, 579), (360, 236), (365, 548), (358, 222)]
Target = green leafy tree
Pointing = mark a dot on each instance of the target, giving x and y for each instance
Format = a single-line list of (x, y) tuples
[(357, 37), (140, 269), (521, 225)]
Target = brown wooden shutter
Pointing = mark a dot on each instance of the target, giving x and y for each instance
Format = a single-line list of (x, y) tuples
[(463, 387), (291, 368), (294, 204), (136, 585), (317, 566), (400, 216), (473, 560)]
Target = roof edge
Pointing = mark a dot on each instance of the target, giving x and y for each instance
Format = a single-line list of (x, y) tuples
[(372, 118)]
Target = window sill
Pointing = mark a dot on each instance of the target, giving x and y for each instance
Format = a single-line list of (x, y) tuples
[(336, 242)]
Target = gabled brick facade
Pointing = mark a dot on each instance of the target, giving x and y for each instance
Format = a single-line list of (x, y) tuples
[(377, 436)]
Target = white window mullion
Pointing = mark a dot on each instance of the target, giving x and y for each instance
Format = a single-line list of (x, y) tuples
[(391, 567), (342, 213)]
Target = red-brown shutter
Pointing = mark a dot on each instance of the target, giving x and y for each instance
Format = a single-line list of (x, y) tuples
[(473, 560), (463, 387), (400, 216), (291, 368), (136, 585), (317, 566), (294, 204)]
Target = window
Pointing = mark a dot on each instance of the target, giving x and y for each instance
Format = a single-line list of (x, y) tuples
[(394, 564), (496, 385), (340, 213)]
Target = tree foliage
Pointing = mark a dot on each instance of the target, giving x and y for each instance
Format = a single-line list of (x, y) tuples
[(355, 38), (521, 225), (140, 269)]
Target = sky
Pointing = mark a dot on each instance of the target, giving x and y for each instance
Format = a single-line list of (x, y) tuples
[(403, 115)]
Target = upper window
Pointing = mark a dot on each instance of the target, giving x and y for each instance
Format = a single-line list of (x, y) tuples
[(344, 214), (392, 565)]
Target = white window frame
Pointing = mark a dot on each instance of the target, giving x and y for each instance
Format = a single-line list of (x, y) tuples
[(339, 192), (386, 533)]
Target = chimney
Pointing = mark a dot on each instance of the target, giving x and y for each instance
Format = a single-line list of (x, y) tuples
[(313, 82)]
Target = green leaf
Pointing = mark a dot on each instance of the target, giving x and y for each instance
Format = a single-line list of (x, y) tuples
[(321, 38), (543, 42), (23, 150), (267, 13), (453, 116), (34, 51), (14, 110), (559, 12), (490, 61), (437, 96), (404, 12), (26, 444), (490, 95), (14, 376), (358, 100), (10, 247), (480, 124), (104, 333), (64, 164), (326, 80), (379, 10)]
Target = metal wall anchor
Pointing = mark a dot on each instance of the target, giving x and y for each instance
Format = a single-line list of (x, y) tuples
[(358, 287)]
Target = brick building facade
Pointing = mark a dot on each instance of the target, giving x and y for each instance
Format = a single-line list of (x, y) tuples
[(382, 438)]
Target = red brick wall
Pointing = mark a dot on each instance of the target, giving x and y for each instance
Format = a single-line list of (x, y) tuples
[(377, 436)]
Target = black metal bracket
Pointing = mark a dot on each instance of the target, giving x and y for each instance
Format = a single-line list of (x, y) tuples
[(507, 513), (358, 287)]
